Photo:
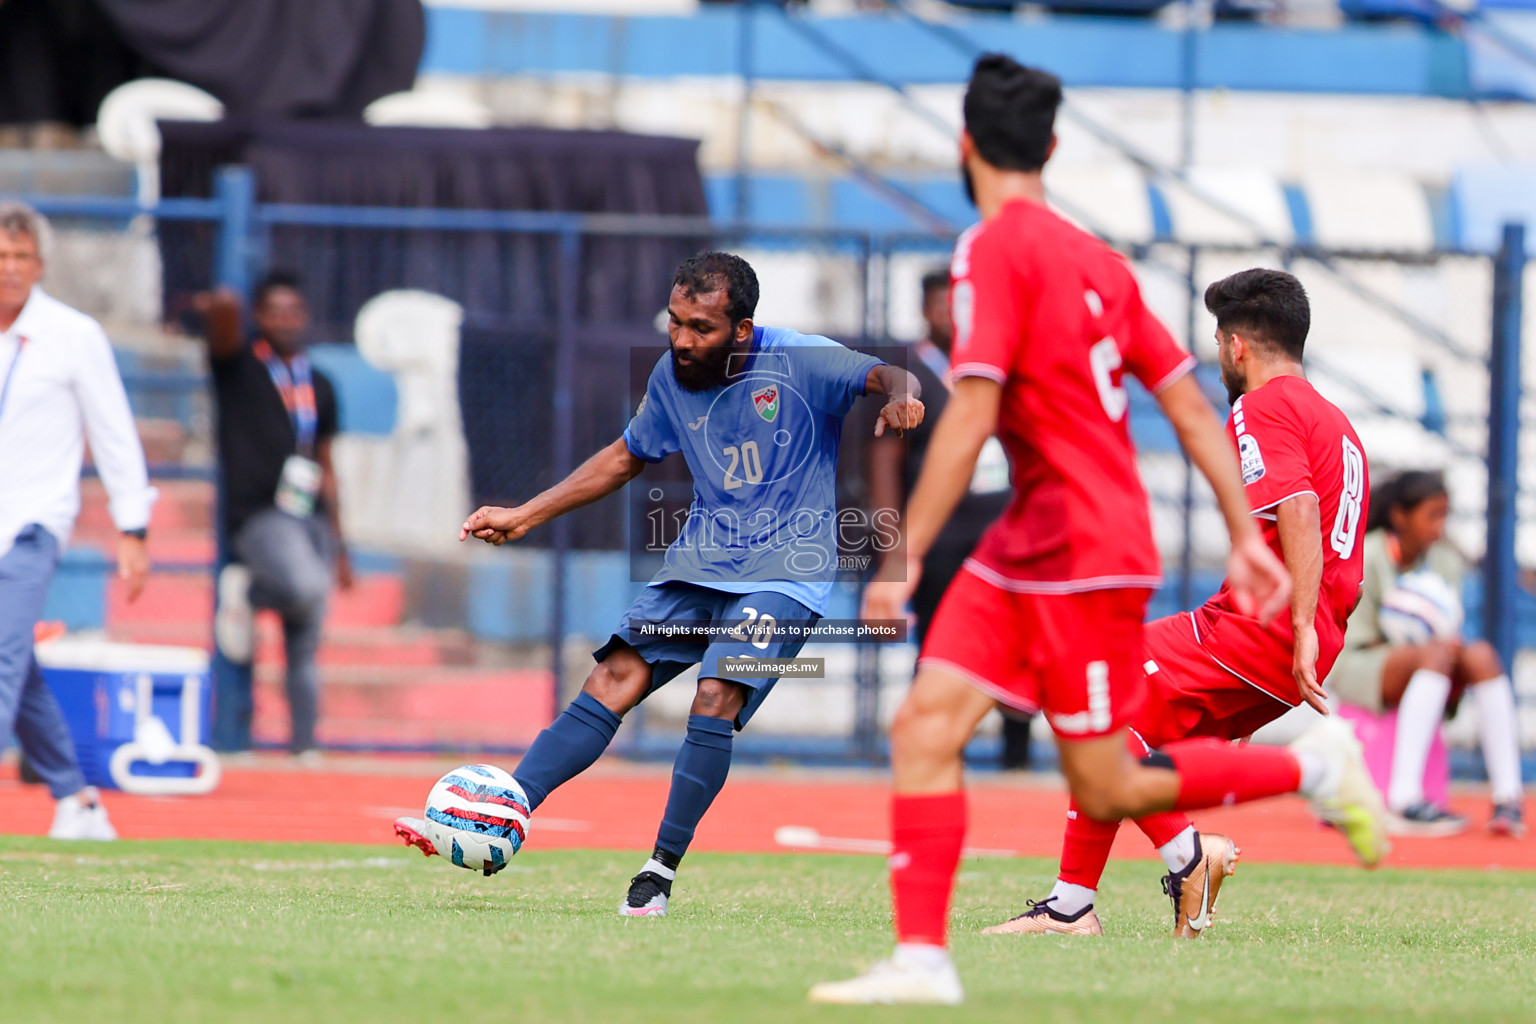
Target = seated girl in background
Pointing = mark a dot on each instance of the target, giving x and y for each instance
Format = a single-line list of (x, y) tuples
[(1404, 650)]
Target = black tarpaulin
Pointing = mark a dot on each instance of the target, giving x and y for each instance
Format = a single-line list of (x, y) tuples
[(506, 282), (496, 276), (295, 58), (496, 168), (58, 61), (291, 58)]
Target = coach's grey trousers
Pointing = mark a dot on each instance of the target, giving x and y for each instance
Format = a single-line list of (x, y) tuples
[(26, 703), (290, 563)]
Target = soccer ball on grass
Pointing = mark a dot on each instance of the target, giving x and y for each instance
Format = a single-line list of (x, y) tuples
[(477, 817)]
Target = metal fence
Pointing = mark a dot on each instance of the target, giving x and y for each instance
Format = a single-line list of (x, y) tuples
[(551, 312)]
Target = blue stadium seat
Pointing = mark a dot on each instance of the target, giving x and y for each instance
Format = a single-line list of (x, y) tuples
[(1105, 7), (365, 396), (792, 200), (509, 597), (1496, 67), (773, 200), (1484, 198), (1428, 11)]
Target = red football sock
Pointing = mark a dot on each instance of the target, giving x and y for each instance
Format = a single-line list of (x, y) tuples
[(927, 832), (1160, 828), (1085, 848), (1213, 773)]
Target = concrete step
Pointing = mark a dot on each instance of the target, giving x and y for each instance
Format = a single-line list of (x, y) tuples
[(376, 599), (399, 647), (447, 707), (165, 599), (85, 172), (183, 505)]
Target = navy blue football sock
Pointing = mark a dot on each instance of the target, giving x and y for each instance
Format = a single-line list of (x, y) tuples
[(697, 775), (567, 748)]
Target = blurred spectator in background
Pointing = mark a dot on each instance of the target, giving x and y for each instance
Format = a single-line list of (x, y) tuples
[(894, 463), (277, 417), (1404, 650), (59, 387)]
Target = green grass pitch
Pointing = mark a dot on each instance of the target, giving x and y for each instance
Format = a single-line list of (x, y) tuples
[(206, 931)]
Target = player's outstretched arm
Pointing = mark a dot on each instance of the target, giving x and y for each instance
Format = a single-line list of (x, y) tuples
[(1261, 585), (970, 417), (598, 477), (902, 409), (1299, 521), (221, 321)]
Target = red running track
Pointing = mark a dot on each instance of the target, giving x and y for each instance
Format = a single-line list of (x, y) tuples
[(618, 806)]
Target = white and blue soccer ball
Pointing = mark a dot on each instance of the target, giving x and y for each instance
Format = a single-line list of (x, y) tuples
[(477, 817), (1421, 607)]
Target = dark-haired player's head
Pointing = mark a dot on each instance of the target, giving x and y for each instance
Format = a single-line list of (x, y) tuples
[(936, 307), (709, 316), (280, 312), (1010, 119), (1262, 319)]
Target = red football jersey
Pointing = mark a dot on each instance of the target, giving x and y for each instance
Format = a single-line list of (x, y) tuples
[(1056, 317), (1290, 440)]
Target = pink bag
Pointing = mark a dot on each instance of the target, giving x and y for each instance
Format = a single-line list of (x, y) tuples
[(1378, 733)]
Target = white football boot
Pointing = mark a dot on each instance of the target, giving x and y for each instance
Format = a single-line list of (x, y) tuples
[(234, 625), (82, 816), (647, 897), (929, 980), (1346, 798)]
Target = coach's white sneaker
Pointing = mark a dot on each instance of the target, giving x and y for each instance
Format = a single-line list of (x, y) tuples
[(82, 816), (928, 977), (234, 625), (1345, 797)]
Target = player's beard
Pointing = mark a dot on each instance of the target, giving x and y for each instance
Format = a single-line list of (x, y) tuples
[(968, 181), (704, 371), (1236, 385)]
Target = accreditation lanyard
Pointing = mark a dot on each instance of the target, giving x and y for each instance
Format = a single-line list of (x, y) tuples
[(10, 371), (295, 383)]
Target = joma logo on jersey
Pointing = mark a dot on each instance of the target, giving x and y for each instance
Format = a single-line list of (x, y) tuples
[(766, 402)]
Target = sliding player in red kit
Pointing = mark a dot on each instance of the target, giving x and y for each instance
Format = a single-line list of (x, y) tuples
[(1216, 671), (1048, 612)]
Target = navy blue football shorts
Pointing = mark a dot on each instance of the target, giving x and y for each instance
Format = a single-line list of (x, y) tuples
[(674, 625)]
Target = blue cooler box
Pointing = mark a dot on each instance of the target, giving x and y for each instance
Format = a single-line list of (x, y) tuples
[(102, 689)]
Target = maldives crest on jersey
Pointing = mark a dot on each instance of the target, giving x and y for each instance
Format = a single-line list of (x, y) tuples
[(766, 402)]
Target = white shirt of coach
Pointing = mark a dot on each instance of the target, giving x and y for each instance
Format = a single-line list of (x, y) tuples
[(65, 390)]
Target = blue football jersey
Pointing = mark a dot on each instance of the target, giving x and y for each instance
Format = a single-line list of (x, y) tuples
[(763, 453)]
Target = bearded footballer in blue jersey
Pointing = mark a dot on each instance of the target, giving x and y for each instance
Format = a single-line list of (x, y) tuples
[(757, 413)]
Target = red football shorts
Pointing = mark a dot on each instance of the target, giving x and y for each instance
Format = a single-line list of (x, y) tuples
[(1077, 657), (1190, 694)]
